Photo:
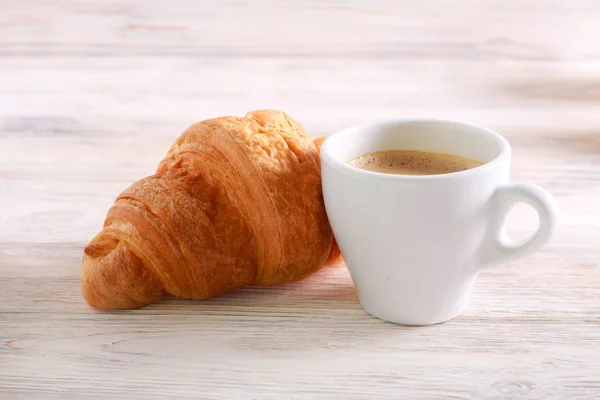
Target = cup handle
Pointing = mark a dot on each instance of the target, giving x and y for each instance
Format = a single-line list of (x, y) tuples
[(499, 248)]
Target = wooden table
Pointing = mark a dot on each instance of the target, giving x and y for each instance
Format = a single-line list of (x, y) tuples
[(93, 93)]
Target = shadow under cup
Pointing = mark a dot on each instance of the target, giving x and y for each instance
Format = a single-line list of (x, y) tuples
[(412, 243)]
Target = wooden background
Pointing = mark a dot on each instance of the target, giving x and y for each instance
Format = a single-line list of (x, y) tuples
[(92, 93)]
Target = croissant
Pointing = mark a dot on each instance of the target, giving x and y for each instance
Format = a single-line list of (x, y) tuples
[(235, 202)]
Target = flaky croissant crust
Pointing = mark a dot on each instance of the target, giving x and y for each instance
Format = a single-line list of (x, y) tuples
[(236, 201)]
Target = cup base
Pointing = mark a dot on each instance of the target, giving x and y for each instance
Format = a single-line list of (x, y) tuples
[(439, 318)]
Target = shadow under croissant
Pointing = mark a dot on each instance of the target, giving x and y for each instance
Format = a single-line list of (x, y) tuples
[(329, 288), (329, 293), (319, 313)]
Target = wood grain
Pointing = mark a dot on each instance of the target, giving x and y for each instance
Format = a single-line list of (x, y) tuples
[(92, 94)]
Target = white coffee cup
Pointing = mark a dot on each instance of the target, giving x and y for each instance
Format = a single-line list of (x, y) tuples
[(414, 245)]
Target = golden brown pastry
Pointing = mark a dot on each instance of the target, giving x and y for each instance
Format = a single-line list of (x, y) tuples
[(236, 201)]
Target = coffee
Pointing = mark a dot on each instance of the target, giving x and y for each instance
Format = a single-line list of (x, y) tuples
[(412, 162)]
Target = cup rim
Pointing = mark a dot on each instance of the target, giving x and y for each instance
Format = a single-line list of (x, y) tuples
[(326, 155)]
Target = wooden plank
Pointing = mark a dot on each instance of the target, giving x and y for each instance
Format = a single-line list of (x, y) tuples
[(346, 358), (537, 289), (538, 30)]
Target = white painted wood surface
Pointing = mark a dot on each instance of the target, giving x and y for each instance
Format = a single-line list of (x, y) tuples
[(93, 93)]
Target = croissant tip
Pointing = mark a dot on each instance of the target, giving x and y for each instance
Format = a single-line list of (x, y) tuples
[(90, 250)]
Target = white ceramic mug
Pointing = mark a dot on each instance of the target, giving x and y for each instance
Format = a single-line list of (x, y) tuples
[(414, 245)]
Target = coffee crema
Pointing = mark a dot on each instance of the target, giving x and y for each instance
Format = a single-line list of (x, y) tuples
[(412, 162)]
